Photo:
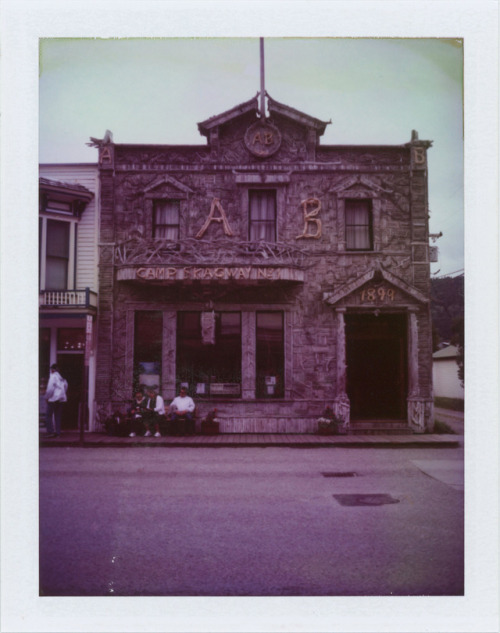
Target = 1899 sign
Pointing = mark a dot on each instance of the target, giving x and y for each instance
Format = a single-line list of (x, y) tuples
[(380, 294)]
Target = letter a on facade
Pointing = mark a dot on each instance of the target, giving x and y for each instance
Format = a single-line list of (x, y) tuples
[(211, 218)]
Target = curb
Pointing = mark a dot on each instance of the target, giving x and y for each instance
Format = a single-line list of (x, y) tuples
[(368, 442)]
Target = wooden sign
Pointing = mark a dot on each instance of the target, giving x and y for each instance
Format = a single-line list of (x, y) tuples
[(262, 139), (377, 294)]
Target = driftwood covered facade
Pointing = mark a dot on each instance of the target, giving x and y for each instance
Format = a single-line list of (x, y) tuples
[(272, 275)]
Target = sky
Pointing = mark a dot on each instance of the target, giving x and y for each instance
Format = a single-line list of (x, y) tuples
[(156, 90)]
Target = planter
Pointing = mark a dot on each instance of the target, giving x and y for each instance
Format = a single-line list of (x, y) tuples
[(326, 431), (209, 428)]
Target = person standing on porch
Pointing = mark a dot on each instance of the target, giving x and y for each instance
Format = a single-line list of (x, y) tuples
[(55, 395), (154, 410)]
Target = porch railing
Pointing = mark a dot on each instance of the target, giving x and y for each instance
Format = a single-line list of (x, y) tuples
[(68, 298)]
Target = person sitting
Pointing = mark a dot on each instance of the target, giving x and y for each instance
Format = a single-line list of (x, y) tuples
[(135, 413), (182, 410), (153, 412)]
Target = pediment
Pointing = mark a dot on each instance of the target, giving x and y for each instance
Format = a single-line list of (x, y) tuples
[(296, 116), (250, 106), (358, 186), (274, 107), (246, 132), (166, 185), (377, 288)]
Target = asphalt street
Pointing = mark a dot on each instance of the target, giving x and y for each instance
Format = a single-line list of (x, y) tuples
[(251, 522)]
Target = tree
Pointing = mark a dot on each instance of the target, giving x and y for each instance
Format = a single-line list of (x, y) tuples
[(447, 304), (458, 340), (447, 308)]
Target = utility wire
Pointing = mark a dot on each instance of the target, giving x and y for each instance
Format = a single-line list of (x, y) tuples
[(449, 274)]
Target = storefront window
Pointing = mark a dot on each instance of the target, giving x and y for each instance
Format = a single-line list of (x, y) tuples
[(209, 353), (148, 337), (70, 339), (270, 355)]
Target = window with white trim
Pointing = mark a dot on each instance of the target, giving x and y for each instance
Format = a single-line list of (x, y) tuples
[(57, 253)]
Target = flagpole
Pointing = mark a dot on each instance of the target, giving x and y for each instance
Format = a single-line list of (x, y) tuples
[(262, 82)]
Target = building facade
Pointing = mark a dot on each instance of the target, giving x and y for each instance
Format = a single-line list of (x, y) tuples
[(68, 232), (271, 275), (446, 381)]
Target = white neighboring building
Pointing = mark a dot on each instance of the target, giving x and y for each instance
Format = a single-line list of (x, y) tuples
[(445, 373), (68, 282)]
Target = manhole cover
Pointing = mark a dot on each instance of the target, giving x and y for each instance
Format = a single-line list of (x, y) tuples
[(365, 500), (339, 474)]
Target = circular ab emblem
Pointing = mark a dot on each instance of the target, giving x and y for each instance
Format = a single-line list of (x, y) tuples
[(262, 139)]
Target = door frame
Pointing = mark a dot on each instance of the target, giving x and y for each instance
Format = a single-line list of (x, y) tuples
[(398, 335)]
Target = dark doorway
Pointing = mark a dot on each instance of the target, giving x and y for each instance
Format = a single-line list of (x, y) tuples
[(71, 367), (376, 366)]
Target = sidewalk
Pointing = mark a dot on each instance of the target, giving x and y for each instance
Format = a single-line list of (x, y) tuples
[(454, 419), (236, 440)]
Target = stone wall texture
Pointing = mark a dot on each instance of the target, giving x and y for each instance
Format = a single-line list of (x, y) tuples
[(309, 273)]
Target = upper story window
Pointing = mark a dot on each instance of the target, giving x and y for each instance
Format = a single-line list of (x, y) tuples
[(262, 219), (60, 208), (57, 254), (359, 225), (166, 219)]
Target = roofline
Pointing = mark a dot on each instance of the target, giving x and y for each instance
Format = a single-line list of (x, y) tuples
[(72, 189), (370, 146), (252, 105), (318, 147), (67, 164), (157, 145), (297, 115)]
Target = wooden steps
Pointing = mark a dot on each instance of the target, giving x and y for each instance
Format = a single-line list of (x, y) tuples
[(379, 427)]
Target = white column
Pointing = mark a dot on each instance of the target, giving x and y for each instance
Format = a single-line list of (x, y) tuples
[(413, 383), (72, 257), (416, 405), (342, 406), (341, 354)]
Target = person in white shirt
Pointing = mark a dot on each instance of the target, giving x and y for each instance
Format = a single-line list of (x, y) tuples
[(153, 412), (55, 395), (182, 408)]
